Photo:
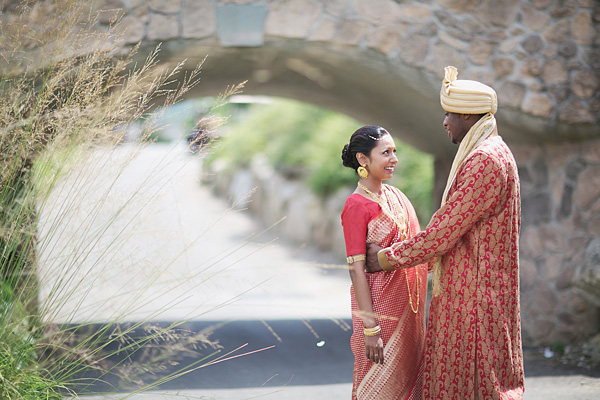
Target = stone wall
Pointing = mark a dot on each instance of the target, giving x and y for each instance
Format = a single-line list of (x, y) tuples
[(560, 241), (541, 55)]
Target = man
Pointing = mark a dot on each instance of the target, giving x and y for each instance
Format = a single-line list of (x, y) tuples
[(473, 345)]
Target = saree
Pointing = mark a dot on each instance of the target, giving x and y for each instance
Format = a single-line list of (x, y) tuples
[(396, 295)]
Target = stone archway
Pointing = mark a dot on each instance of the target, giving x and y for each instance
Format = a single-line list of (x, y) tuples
[(385, 57)]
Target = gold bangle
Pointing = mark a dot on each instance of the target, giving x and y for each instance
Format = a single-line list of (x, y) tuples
[(353, 259), (372, 331), (383, 261)]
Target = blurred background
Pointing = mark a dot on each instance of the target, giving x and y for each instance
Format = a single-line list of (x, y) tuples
[(199, 220)]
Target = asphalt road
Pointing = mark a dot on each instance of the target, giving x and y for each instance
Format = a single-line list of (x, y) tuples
[(300, 359), (292, 359), (295, 353), (251, 354)]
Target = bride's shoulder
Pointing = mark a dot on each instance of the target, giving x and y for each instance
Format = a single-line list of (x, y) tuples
[(394, 190), (391, 188), (355, 198)]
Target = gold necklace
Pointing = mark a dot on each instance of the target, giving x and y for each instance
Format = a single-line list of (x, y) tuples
[(402, 230)]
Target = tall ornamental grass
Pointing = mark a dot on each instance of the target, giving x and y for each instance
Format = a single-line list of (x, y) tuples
[(64, 93)]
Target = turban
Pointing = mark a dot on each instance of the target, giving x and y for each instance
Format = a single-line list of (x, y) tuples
[(466, 97)]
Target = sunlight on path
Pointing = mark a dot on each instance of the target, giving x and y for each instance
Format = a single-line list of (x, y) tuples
[(171, 251)]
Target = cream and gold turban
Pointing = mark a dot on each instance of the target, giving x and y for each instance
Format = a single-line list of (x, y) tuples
[(466, 97)]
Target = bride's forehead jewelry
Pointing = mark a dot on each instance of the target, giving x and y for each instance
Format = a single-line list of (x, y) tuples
[(374, 138)]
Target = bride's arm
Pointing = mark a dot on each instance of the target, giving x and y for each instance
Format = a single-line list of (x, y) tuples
[(362, 292)]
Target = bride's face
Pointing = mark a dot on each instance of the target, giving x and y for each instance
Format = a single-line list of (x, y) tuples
[(383, 160)]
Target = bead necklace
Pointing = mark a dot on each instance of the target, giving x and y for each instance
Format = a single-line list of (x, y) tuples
[(402, 228)]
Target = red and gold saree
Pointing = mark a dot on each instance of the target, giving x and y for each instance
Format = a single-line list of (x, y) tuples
[(396, 296)]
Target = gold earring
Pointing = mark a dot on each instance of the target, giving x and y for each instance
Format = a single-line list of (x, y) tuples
[(362, 172)]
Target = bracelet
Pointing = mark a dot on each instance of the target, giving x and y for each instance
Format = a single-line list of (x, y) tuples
[(383, 261), (372, 331), (378, 263), (353, 259)]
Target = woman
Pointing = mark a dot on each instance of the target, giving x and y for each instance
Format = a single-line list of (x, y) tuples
[(388, 308)]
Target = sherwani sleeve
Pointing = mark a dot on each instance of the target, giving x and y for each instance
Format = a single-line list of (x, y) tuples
[(478, 186)]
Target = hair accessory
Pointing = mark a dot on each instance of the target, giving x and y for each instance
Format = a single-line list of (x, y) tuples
[(374, 138), (372, 331), (362, 172)]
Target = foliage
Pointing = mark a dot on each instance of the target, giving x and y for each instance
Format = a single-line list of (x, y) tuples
[(19, 378), (305, 141), (267, 130), (63, 92), (414, 176), (324, 162)]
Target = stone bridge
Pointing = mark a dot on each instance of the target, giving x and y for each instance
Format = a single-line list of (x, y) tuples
[(381, 62)]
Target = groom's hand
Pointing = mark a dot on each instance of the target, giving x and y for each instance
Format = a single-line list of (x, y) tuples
[(372, 265)]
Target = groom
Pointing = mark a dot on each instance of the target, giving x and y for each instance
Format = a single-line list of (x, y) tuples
[(473, 345)]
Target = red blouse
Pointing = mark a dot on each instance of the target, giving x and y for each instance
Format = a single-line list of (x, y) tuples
[(357, 212)]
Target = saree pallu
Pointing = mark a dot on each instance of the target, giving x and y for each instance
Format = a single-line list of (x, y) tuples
[(402, 330)]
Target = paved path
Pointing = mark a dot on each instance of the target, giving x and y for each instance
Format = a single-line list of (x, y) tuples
[(179, 253), (182, 254)]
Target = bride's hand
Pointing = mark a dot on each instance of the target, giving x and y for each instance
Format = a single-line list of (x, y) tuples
[(374, 348)]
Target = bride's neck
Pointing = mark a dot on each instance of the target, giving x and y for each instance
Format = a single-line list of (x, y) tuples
[(373, 186)]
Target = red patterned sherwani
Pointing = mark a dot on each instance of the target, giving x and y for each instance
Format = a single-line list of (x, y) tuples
[(473, 344)]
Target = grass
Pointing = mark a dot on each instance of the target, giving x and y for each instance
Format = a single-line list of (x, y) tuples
[(64, 93)]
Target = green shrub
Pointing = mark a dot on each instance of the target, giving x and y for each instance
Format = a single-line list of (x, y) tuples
[(20, 375), (285, 131), (325, 172)]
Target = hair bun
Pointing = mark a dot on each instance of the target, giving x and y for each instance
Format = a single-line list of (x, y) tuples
[(345, 156)]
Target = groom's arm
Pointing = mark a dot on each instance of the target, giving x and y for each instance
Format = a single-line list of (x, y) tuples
[(478, 189)]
